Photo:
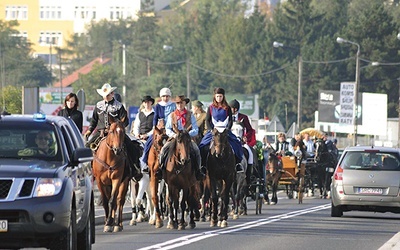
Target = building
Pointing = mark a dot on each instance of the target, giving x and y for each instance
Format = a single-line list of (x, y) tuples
[(48, 23)]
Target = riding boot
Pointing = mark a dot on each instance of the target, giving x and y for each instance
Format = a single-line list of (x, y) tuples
[(134, 163), (239, 167), (199, 170), (162, 159)]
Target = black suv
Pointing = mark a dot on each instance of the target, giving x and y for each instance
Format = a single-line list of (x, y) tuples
[(46, 185)]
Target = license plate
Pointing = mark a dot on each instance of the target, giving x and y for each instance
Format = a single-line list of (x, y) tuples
[(370, 190), (3, 225)]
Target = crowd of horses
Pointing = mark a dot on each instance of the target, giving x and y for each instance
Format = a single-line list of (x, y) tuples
[(178, 193)]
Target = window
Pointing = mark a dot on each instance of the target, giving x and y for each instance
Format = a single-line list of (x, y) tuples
[(50, 12), (85, 12), (371, 160), (16, 12), (47, 38)]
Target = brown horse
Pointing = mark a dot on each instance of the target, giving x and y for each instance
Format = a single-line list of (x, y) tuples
[(159, 139), (273, 175), (222, 173), (111, 170), (180, 176)]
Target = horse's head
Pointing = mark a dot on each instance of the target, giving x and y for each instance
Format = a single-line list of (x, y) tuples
[(320, 148), (115, 137), (159, 138), (273, 163), (220, 141), (182, 149), (238, 129)]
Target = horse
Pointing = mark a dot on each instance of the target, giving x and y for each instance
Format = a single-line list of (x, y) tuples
[(159, 139), (273, 175), (221, 171), (326, 162), (180, 176), (112, 174)]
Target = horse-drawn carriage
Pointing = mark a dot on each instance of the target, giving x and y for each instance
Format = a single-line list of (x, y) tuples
[(293, 176)]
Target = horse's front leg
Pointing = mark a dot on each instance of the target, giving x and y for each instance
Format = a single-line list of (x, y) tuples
[(214, 205), (225, 203), (122, 191), (112, 206), (182, 225), (133, 188), (154, 197)]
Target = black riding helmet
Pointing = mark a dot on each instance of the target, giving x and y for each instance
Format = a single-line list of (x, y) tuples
[(234, 104)]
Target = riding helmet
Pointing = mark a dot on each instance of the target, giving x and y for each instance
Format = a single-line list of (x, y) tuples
[(234, 104)]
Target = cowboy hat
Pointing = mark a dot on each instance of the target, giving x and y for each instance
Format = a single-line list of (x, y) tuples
[(148, 98), (197, 103), (106, 89), (181, 98)]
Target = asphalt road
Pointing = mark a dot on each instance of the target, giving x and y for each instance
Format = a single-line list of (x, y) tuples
[(287, 225)]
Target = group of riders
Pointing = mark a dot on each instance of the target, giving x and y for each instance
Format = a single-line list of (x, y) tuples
[(171, 114)]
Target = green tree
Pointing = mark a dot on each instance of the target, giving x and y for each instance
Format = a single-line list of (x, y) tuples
[(11, 99)]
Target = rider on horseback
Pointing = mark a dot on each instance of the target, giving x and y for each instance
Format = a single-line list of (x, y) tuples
[(219, 110), (109, 106), (249, 132), (181, 119)]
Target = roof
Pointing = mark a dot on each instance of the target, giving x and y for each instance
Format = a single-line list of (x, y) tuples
[(67, 81)]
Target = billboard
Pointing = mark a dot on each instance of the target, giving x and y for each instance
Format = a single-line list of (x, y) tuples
[(371, 117)]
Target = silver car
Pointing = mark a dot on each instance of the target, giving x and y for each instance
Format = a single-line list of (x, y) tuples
[(366, 179)]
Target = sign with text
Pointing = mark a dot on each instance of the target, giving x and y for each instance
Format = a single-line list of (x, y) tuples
[(347, 102)]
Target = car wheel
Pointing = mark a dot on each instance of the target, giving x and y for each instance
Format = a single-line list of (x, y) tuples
[(68, 239), (336, 211), (85, 238)]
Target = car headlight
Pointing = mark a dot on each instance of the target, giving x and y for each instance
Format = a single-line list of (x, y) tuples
[(48, 187)]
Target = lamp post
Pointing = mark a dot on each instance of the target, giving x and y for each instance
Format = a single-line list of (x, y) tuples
[(300, 78), (357, 82), (168, 47)]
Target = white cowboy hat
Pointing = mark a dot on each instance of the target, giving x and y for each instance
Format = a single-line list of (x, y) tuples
[(106, 89)]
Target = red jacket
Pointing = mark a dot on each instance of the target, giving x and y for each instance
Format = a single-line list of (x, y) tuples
[(249, 132)]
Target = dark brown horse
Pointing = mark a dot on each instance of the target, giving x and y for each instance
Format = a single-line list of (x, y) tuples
[(180, 176), (111, 170), (222, 173), (273, 175), (159, 139)]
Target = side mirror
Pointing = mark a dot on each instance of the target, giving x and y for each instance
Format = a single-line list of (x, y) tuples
[(81, 155)]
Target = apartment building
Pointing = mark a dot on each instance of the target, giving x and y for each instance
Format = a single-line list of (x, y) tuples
[(50, 23)]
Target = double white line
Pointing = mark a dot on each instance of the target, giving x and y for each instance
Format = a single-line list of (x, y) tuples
[(185, 240)]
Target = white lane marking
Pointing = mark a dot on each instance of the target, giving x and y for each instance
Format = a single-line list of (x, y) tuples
[(393, 243), (188, 239)]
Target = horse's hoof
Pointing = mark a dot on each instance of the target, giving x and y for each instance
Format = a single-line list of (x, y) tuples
[(202, 219), (152, 222), (132, 222), (159, 224), (108, 229), (181, 227), (224, 223), (213, 224), (235, 216), (170, 226), (219, 223), (192, 225), (272, 203), (118, 229)]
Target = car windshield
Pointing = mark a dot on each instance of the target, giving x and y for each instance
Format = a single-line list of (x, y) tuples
[(29, 143), (371, 160)]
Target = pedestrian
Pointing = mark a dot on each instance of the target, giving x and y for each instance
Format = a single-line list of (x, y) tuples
[(70, 110)]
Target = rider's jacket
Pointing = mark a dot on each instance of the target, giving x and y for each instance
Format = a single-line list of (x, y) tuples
[(103, 110), (174, 124)]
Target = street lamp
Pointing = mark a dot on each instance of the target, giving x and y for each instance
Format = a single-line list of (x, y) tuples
[(357, 82), (168, 47), (300, 76)]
